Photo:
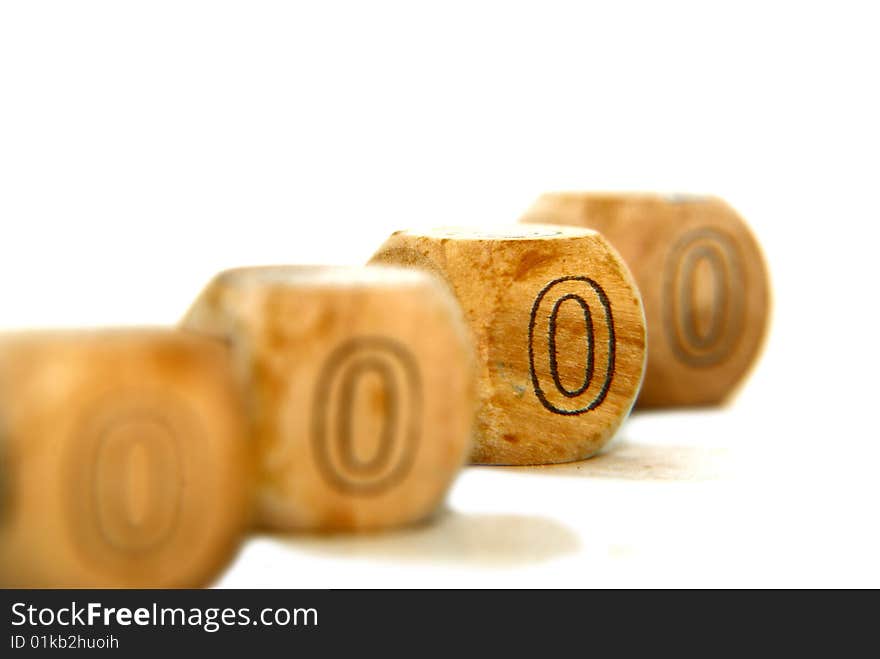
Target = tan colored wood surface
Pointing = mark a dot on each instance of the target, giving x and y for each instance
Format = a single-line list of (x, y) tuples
[(703, 280), (123, 458), (540, 301), (360, 388)]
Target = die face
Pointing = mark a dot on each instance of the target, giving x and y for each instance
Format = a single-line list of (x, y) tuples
[(703, 281), (361, 387), (560, 333), (125, 460)]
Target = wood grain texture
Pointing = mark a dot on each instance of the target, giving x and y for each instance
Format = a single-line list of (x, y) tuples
[(559, 329), (124, 459), (703, 279), (361, 390)]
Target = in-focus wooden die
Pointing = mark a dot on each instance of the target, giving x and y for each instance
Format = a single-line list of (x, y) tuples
[(124, 459), (703, 280), (361, 390), (559, 329)]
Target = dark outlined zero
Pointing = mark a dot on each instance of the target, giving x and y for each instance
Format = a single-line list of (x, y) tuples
[(552, 347)]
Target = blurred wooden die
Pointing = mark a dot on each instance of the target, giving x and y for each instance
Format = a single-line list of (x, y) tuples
[(703, 279), (360, 390), (124, 459)]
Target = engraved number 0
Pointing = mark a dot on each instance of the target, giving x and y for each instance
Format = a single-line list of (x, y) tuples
[(598, 324), (333, 417), (695, 346), (129, 481)]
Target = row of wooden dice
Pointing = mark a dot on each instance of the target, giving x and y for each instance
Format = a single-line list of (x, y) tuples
[(347, 399)]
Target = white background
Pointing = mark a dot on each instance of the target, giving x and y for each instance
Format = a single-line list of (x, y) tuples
[(145, 145)]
